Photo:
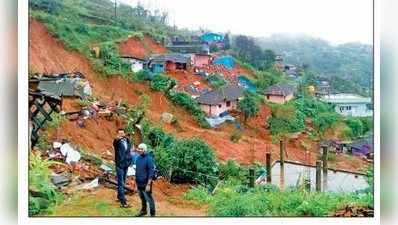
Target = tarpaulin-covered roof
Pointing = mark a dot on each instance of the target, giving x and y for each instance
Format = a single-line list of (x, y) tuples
[(227, 61), (210, 37)]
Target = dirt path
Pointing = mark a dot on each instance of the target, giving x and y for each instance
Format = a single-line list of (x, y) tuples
[(48, 55)]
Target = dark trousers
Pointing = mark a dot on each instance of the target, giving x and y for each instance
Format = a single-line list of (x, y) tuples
[(146, 197), (121, 174)]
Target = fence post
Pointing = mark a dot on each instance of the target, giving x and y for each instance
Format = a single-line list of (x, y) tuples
[(268, 166), (325, 158), (318, 176), (282, 152), (251, 177)]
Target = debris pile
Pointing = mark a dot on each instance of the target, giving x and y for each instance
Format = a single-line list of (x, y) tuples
[(354, 211)]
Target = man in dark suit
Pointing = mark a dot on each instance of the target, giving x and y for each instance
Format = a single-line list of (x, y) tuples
[(122, 146)]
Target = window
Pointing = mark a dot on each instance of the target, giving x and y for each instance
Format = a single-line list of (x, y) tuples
[(228, 103)]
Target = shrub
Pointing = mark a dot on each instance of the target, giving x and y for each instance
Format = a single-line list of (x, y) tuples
[(193, 155), (42, 143), (270, 201), (285, 119), (142, 75), (356, 127), (56, 120), (162, 83), (45, 195), (324, 121), (199, 194), (230, 169)]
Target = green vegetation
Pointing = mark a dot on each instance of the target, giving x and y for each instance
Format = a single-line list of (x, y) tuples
[(249, 106), (163, 83), (42, 193), (247, 50), (349, 66), (191, 105), (194, 155), (81, 204), (80, 25), (285, 119), (216, 80), (356, 127), (231, 199), (266, 78), (56, 120)]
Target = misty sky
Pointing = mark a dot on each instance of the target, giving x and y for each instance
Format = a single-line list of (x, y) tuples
[(337, 21)]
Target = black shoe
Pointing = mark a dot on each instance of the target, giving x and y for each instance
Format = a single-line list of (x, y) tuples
[(141, 213)]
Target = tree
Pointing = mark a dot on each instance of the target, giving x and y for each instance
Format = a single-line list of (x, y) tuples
[(324, 121), (356, 127), (248, 106), (269, 58)]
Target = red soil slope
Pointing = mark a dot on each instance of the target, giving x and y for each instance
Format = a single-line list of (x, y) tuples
[(46, 54), (141, 48)]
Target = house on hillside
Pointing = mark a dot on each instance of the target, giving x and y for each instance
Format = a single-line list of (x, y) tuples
[(201, 60), (136, 64), (363, 147), (350, 104), (280, 93), (168, 63), (193, 46), (211, 38), (323, 88), (216, 102)]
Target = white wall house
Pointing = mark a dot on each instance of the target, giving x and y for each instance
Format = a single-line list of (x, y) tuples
[(135, 63), (350, 104)]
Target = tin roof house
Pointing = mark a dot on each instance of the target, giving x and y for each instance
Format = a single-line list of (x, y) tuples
[(168, 62), (350, 104), (216, 102), (363, 147), (280, 93)]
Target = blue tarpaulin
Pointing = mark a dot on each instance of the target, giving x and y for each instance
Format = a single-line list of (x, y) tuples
[(246, 84), (211, 37), (215, 121), (227, 61)]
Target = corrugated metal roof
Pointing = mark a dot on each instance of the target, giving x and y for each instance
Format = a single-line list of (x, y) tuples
[(215, 97)]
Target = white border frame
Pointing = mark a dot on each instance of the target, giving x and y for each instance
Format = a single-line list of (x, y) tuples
[(23, 153)]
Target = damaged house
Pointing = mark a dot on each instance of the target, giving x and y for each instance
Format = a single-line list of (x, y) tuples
[(201, 60), (280, 93), (63, 85), (168, 63), (136, 64), (216, 102)]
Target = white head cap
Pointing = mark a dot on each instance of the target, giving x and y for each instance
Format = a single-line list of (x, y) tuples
[(143, 146)]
